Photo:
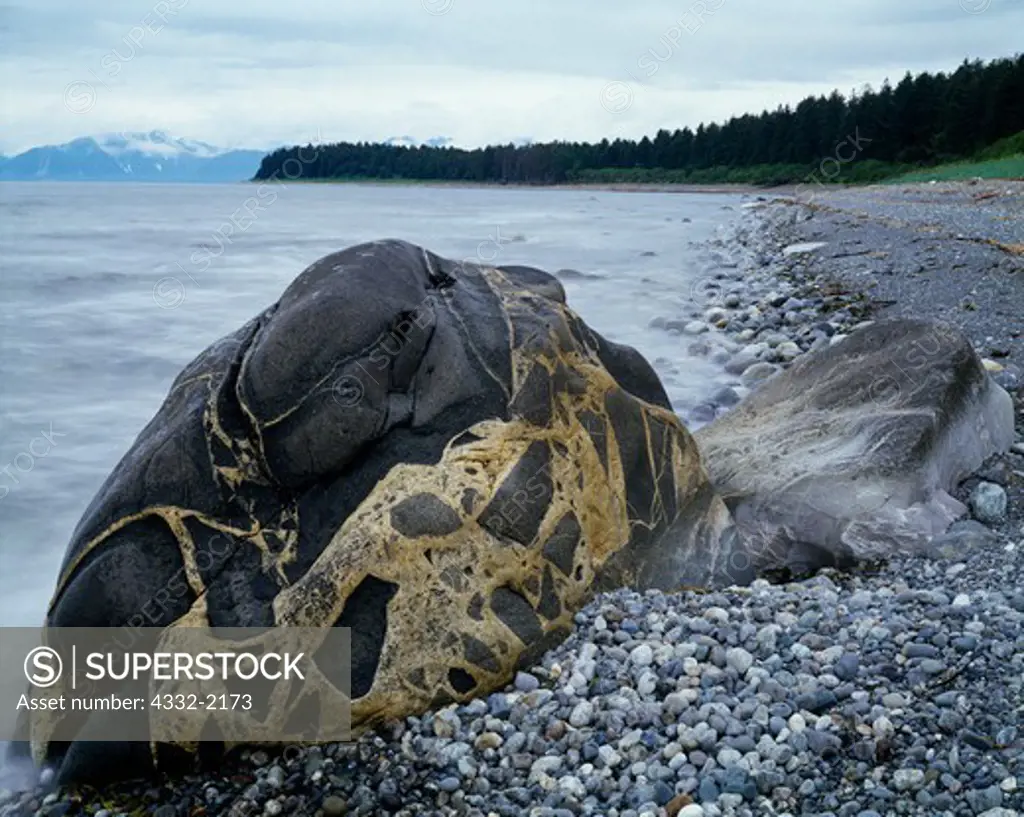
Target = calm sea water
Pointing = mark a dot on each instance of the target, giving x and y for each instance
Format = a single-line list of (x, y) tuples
[(108, 290)]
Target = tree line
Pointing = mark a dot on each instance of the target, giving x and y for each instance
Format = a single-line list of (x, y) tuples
[(923, 120)]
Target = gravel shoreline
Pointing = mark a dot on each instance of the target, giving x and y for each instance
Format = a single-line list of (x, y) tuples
[(946, 252), (896, 689)]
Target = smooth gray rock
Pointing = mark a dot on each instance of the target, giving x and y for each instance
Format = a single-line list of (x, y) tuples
[(758, 373), (853, 452), (725, 396), (745, 358), (988, 503), (961, 538)]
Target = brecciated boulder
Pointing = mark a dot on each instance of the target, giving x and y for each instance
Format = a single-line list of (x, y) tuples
[(438, 455), (852, 453)]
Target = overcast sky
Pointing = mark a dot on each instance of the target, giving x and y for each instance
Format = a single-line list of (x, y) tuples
[(265, 72)]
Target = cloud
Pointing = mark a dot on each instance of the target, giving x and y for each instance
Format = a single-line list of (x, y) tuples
[(262, 72)]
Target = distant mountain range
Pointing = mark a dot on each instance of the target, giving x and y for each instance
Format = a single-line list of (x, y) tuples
[(150, 157), (140, 157)]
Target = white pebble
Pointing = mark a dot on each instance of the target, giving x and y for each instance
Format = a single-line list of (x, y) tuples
[(739, 659), (728, 757), (581, 714), (545, 765), (647, 684), (907, 779), (572, 786), (545, 781), (609, 756), (882, 727), (788, 350), (716, 615)]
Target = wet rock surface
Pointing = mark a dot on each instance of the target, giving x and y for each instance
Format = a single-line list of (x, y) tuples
[(439, 456)]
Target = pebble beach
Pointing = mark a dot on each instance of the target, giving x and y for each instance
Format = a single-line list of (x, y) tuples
[(893, 689)]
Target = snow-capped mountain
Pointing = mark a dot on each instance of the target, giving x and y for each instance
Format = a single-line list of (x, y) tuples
[(144, 157), (155, 143), (409, 141)]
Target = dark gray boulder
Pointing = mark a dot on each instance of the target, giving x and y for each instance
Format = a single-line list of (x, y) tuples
[(440, 456)]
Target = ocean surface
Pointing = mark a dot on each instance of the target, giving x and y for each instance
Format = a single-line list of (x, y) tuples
[(108, 290)]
